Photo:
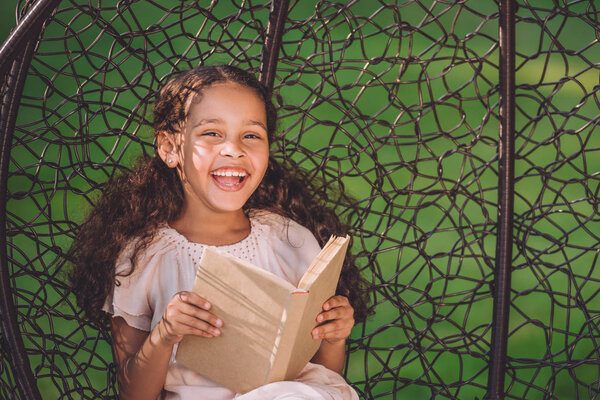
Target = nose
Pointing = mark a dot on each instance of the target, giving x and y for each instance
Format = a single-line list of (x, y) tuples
[(232, 148)]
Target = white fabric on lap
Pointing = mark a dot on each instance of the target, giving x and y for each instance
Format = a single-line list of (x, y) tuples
[(314, 382)]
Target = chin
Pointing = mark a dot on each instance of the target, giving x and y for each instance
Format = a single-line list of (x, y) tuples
[(228, 206)]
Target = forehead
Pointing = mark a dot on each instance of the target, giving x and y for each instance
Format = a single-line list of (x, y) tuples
[(225, 97)]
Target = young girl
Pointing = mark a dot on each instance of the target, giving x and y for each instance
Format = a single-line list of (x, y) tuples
[(212, 182)]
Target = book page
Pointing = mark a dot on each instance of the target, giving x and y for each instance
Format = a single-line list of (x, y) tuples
[(321, 287), (334, 246), (285, 346)]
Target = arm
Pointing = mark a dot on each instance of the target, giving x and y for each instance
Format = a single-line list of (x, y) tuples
[(337, 320), (143, 357)]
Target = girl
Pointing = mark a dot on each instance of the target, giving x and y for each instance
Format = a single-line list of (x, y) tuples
[(212, 182)]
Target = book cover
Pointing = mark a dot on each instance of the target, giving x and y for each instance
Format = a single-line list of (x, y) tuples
[(266, 335)]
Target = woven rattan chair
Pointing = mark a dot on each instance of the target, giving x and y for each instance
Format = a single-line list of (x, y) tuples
[(472, 156)]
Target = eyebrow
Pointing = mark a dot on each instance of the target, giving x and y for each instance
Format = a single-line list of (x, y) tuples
[(258, 123), (220, 121)]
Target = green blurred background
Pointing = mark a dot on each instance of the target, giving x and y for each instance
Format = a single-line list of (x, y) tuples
[(413, 141), (7, 18)]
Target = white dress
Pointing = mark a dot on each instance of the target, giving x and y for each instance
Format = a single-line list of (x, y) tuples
[(168, 266)]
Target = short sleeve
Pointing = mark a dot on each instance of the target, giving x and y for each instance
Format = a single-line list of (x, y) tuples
[(129, 298), (165, 267)]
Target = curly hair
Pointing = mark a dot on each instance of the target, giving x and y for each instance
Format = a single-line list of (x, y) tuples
[(134, 205)]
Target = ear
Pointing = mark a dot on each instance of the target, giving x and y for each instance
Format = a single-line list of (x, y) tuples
[(167, 149)]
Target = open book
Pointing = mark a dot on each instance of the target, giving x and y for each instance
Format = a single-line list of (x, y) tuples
[(266, 336)]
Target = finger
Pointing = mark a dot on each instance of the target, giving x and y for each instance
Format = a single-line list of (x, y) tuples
[(186, 325), (181, 330), (195, 299), (200, 314), (332, 330), (335, 301), (336, 313), (343, 311), (198, 332)]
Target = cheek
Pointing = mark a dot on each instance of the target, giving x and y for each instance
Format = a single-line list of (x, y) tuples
[(200, 155), (262, 160)]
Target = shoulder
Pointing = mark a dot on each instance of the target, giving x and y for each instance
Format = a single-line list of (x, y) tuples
[(284, 247), (144, 284), (284, 230), (128, 298), (161, 243)]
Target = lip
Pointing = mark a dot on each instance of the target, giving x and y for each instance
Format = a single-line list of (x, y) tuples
[(224, 178)]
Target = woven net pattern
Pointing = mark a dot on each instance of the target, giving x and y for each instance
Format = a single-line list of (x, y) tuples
[(553, 344), (397, 103)]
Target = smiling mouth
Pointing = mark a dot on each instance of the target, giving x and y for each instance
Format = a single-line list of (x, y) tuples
[(229, 179)]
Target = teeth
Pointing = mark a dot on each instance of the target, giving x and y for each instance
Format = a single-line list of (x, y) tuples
[(228, 173)]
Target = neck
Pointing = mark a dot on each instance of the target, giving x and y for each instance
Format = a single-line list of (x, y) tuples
[(212, 228)]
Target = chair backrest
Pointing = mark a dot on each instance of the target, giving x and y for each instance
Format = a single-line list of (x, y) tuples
[(398, 102)]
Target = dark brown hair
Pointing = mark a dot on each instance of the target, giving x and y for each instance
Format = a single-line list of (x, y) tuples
[(133, 205)]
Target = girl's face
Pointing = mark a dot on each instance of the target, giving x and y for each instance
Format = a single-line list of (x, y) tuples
[(223, 148)]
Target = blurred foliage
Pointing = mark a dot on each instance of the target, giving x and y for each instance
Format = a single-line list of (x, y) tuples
[(397, 102), (7, 18)]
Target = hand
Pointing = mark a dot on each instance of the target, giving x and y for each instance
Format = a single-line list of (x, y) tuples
[(187, 314), (337, 320)]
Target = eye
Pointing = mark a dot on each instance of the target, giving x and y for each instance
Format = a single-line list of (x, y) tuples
[(210, 134), (252, 136)]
